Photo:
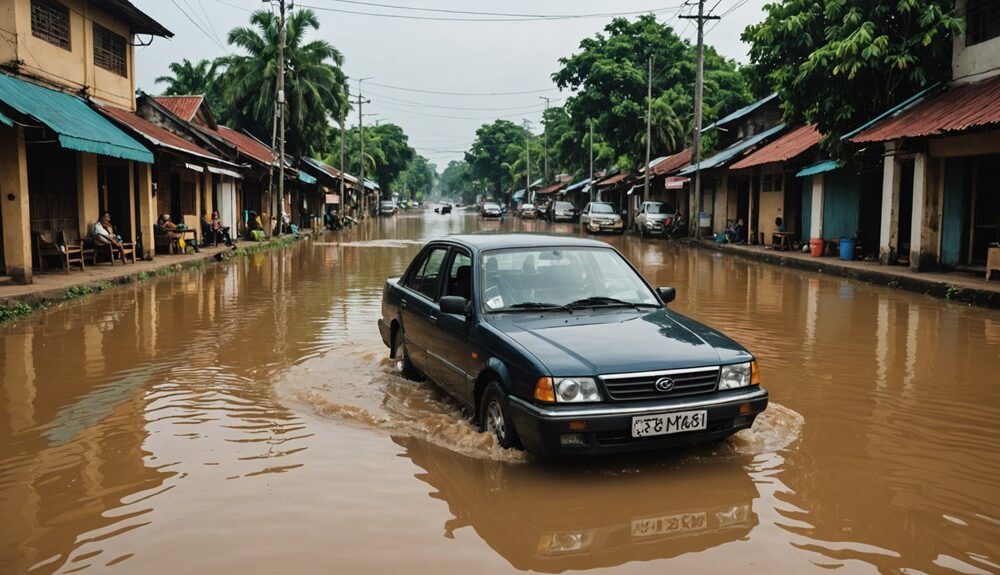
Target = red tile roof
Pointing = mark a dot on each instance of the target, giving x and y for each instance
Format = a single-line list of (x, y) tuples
[(612, 180), (783, 149), (953, 110), (157, 136), (184, 107), (672, 163), (552, 189), (248, 146)]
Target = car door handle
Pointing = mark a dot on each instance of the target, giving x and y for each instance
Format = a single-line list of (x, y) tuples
[(433, 318), (403, 303)]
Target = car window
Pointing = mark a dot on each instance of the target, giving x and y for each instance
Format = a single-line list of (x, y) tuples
[(425, 279), (602, 209), (460, 275)]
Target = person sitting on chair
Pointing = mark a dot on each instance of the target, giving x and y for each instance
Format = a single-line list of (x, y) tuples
[(780, 224), (104, 234), (219, 231)]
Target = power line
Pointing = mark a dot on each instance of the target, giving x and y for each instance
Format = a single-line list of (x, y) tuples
[(476, 19), (417, 90), (507, 14), (451, 117), (203, 31), (402, 102)]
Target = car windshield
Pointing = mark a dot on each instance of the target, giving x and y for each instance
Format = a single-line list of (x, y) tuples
[(658, 209), (490, 206), (560, 278), (527, 206), (563, 206), (602, 209)]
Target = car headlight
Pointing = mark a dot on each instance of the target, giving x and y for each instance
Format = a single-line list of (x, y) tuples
[(576, 390), (736, 375)]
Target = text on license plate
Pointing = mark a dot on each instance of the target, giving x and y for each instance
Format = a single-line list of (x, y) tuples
[(646, 425), (666, 524)]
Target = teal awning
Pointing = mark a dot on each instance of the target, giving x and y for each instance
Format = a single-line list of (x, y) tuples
[(78, 126), (740, 113), (306, 178), (732, 151), (818, 168), (5, 120)]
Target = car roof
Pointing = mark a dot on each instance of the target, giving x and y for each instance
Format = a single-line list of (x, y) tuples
[(493, 241)]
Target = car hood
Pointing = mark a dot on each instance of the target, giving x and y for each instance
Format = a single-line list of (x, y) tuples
[(657, 217), (618, 341)]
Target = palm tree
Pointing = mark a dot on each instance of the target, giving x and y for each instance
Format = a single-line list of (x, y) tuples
[(315, 86), (190, 78)]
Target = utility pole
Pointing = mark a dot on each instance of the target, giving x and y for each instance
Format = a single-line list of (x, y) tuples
[(649, 126), (361, 164), (590, 186), (343, 170), (527, 151), (281, 116), (698, 86), (545, 139)]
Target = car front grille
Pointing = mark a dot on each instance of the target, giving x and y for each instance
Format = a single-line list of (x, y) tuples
[(640, 386)]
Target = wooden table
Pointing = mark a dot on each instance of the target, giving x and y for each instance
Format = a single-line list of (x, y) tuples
[(782, 240), (992, 261)]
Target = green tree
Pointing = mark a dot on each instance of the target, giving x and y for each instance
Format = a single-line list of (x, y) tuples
[(837, 63), (196, 78), (456, 181), (315, 88), (417, 181), (609, 75), (387, 153), (497, 147)]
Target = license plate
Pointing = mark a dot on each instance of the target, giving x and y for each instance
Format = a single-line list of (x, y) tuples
[(666, 423), (667, 524)]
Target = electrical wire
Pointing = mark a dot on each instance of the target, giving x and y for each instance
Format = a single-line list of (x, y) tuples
[(203, 31), (450, 117), (419, 91), (444, 19), (400, 102), (507, 14)]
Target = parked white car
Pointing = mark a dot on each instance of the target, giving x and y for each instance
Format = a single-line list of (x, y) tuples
[(601, 217), (653, 219)]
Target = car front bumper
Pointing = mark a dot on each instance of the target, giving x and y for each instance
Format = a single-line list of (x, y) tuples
[(608, 427), (605, 227)]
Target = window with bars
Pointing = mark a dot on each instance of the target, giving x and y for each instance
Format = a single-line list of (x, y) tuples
[(109, 51), (982, 21), (773, 183), (50, 22)]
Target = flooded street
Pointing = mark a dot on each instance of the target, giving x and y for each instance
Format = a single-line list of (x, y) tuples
[(245, 418)]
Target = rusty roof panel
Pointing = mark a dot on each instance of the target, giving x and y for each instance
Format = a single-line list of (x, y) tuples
[(956, 109), (156, 135), (184, 107), (783, 149), (248, 146), (672, 163)]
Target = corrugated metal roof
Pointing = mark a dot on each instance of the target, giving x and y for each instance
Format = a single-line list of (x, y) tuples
[(157, 136), (672, 163), (5, 120), (740, 113), (578, 185), (733, 151), (249, 146), (306, 178), (817, 168), (77, 125), (184, 107), (783, 149), (139, 21), (955, 109), (612, 180), (551, 189)]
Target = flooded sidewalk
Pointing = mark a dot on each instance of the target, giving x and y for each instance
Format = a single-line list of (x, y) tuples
[(955, 286)]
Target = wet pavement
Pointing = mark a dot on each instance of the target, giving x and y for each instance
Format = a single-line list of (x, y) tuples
[(244, 418)]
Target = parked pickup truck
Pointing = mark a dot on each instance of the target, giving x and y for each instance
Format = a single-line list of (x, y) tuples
[(558, 344)]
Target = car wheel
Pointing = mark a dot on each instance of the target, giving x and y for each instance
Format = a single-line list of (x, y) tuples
[(403, 364), (495, 417)]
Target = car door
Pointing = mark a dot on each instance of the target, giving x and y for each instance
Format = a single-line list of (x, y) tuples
[(418, 307), (585, 216), (453, 348)]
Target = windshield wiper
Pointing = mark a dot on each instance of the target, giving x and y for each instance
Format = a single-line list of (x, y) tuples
[(601, 301), (531, 306)]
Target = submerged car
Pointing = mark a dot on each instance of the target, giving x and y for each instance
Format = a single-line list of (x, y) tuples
[(654, 219), (562, 212), (601, 217), (527, 211), (443, 209), (387, 208), (490, 210), (558, 345)]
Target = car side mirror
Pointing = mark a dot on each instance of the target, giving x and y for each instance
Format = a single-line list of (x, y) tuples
[(454, 304), (667, 294)]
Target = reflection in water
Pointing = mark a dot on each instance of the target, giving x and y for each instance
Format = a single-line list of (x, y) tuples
[(239, 418), (552, 519)]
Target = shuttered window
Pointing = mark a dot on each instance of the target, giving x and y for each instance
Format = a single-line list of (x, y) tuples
[(109, 51), (982, 21), (50, 22)]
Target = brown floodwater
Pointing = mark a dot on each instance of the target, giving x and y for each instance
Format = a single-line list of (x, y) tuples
[(244, 418)]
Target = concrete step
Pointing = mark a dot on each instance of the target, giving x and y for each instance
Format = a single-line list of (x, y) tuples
[(6, 280)]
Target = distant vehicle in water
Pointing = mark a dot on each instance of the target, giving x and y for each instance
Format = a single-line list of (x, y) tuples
[(527, 211), (557, 345), (444, 208), (387, 208), (562, 212), (490, 210), (601, 217), (654, 219)]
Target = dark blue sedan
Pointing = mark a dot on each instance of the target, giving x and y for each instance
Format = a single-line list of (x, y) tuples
[(558, 345)]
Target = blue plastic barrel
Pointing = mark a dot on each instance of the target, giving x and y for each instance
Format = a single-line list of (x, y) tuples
[(847, 249)]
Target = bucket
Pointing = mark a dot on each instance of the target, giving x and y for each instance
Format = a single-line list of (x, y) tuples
[(846, 249), (816, 247)]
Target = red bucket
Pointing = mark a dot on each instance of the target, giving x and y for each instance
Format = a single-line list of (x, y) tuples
[(816, 247)]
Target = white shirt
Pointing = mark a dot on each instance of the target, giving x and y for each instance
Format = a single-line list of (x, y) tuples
[(100, 231)]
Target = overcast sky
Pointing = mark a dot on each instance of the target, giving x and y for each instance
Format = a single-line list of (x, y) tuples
[(444, 56)]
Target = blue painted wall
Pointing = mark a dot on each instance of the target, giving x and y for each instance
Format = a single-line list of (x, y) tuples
[(955, 171), (807, 203), (841, 199)]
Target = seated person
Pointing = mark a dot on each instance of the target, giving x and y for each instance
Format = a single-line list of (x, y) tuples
[(780, 224), (255, 228), (734, 233), (214, 232), (103, 234), (164, 225)]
